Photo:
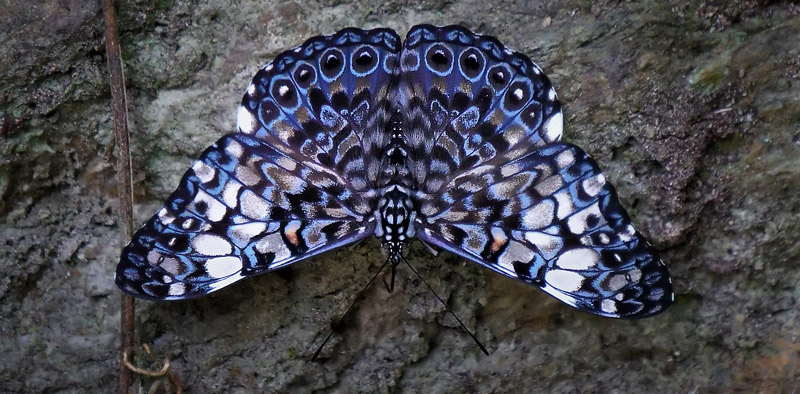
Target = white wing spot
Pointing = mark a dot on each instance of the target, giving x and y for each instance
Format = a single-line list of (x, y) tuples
[(230, 193), (578, 259), (221, 267), (551, 94), (515, 251), (608, 306), (211, 245), (215, 209), (173, 266), (234, 149), (254, 206), (177, 289), (274, 243), (165, 217), (246, 122), (246, 175), (203, 171), (617, 282), (287, 163), (188, 223), (539, 215), (244, 232), (518, 94), (553, 127), (548, 244), (593, 185), (564, 280), (627, 234), (565, 204), (565, 158), (579, 222)]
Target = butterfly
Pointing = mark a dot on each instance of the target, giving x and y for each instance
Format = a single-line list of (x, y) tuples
[(448, 137)]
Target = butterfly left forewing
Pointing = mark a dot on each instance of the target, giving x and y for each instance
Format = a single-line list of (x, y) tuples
[(326, 102), (551, 220)]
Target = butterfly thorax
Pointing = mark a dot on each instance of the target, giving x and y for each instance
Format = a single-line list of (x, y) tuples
[(396, 215), (395, 156)]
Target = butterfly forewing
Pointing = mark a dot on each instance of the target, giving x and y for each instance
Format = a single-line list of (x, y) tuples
[(550, 219), (326, 102)]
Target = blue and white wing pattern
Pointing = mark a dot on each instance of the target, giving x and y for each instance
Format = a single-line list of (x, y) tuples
[(499, 189), (551, 220), (450, 138), (294, 182)]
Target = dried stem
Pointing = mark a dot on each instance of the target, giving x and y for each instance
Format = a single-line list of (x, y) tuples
[(124, 177)]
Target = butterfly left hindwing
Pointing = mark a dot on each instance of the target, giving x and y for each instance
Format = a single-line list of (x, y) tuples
[(497, 188)]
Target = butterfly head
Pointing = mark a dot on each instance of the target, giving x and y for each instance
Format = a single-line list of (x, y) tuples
[(394, 251), (396, 216)]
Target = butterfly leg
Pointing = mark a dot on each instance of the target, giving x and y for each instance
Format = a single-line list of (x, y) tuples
[(430, 247), (390, 288)]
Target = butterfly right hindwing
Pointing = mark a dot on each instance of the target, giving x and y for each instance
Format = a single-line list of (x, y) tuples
[(496, 187), (297, 180)]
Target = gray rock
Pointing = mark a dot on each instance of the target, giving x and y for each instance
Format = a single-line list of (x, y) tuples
[(691, 109)]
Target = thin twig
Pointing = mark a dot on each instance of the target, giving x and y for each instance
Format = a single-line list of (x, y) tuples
[(124, 177), (172, 375), (163, 371)]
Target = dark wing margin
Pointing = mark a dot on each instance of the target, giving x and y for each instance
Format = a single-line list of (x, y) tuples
[(551, 220)]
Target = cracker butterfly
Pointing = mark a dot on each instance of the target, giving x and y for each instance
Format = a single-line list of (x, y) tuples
[(449, 138)]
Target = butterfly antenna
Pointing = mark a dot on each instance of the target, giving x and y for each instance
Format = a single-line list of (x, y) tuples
[(474, 338), (338, 322), (394, 272)]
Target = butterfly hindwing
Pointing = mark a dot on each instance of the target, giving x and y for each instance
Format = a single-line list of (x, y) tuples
[(550, 219), (468, 100), (325, 102)]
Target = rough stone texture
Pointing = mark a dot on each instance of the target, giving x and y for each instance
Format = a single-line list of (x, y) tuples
[(692, 108)]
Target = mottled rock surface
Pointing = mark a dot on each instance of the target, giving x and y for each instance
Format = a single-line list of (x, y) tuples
[(692, 108)]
